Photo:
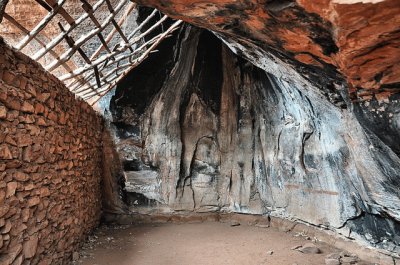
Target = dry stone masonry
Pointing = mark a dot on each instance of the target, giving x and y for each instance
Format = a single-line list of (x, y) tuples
[(50, 165)]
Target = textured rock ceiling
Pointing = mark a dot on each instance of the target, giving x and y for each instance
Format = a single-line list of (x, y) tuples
[(361, 39)]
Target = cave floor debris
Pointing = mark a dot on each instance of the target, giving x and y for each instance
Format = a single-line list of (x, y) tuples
[(208, 243)]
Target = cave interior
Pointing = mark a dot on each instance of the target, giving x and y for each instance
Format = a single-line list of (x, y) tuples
[(273, 114)]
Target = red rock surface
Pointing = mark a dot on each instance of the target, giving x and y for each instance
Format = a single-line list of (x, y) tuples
[(361, 39)]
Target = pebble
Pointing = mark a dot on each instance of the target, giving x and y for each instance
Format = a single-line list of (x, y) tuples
[(235, 223), (309, 248)]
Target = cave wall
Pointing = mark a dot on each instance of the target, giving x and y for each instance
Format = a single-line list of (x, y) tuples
[(50, 165), (209, 131)]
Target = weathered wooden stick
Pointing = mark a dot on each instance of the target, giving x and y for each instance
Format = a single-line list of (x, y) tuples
[(79, 81), (39, 26), (116, 26), (104, 78), (71, 43), (44, 5), (119, 50), (125, 56), (61, 36), (97, 75), (89, 9), (108, 56), (120, 22), (64, 57), (142, 24), (24, 30), (62, 12), (3, 4), (83, 87)]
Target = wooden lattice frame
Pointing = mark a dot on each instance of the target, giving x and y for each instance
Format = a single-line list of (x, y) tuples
[(101, 72)]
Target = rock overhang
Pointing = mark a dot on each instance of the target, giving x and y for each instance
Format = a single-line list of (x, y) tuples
[(358, 40)]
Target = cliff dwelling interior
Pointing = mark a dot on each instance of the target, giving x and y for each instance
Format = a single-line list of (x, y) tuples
[(200, 132)]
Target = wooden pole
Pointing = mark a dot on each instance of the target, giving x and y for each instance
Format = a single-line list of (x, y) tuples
[(25, 31), (88, 8), (83, 39), (106, 57), (71, 43), (61, 36), (40, 26)]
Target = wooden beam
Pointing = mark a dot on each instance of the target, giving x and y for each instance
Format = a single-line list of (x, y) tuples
[(136, 30), (40, 26), (106, 57), (99, 61), (3, 4), (89, 9), (62, 12), (99, 75), (140, 59), (60, 37), (44, 5), (84, 87), (83, 39), (71, 43), (129, 55), (24, 30), (109, 37), (116, 26)]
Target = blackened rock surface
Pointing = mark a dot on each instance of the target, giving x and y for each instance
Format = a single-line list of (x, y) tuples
[(221, 134), (381, 231), (382, 117)]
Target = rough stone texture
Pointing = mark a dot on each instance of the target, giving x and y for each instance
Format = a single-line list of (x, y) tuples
[(210, 131), (50, 165)]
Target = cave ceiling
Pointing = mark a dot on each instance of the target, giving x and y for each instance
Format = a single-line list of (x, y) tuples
[(352, 43), (358, 39)]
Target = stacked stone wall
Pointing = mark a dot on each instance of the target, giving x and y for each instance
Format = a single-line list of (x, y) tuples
[(50, 165)]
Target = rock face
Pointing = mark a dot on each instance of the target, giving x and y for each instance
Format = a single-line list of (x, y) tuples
[(201, 129), (359, 38), (50, 165)]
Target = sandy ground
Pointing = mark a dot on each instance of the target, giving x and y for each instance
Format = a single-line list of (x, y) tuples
[(209, 243)]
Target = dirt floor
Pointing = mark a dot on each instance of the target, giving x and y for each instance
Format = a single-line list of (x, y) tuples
[(209, 243)]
